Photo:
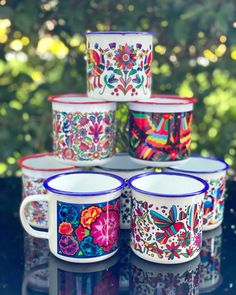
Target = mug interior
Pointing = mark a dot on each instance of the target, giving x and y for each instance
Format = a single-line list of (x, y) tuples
[(122, 162), (43, 162), (168, 184), (84, 183), (201, 165)]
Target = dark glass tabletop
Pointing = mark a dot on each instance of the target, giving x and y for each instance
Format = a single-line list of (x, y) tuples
[(27, 267)]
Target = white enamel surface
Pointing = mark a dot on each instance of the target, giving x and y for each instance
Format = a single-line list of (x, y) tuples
[(157, 164), (93, 107), (199, 164), (45, 162), (84, 183), (168, 184), (171, 107)]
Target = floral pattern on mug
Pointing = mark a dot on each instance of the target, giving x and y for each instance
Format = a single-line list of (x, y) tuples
[(170, 283), (167, 233), (160, 137), (214, 202), (36, 212), (125, 207), (88, 230), (121, 69), (84, 136)]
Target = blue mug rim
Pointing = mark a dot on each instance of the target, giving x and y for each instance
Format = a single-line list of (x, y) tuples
[(206, 185), (202, 172), (84, 194)]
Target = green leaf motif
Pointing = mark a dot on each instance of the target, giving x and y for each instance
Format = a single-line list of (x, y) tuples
[(118, 72), (132, 72), (110, 86)]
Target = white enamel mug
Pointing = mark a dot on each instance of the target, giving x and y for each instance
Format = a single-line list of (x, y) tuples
[(160, 130), (83, 212), (123, 166), (84, 129), (167, 216), (35, 169), (119, 65), (212, 170)]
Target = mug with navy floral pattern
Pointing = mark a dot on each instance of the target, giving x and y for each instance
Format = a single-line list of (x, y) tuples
[(84, 215)]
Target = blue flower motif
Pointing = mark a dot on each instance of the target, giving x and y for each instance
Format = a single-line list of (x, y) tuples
[(68, 213), (89, 248), (112, 79)]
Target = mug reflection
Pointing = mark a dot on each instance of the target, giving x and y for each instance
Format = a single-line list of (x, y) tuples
[(155, 279), (210, 255), (99, 278)]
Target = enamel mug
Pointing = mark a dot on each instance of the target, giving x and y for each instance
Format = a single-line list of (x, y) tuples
[(211, 255), (212, 170), (83, 129), (152, 279), (160, 130), (100, 278), (119, 65), (121, 165), (166, 218), (35, 169), (83, 215)]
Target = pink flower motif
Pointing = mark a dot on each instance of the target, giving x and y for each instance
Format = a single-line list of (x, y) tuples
[(95, 130), (198, 240), (105, 229), (125, 57)]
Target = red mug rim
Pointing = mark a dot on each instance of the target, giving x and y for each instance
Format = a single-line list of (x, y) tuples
[(54, 98), (39, 155), (182, 100)]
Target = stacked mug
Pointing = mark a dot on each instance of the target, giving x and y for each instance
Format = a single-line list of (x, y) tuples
[(86, 209)]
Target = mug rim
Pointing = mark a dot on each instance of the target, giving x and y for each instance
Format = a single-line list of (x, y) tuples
[(84, 194), (21, 164), (122, 170), (206, 185), (119, 33), (180, 100), (54, 98), (203, 172)]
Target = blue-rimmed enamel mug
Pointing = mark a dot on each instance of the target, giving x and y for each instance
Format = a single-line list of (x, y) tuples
[(119, 65), (167, 216), (123, 166), (83, 215), (212, 170)]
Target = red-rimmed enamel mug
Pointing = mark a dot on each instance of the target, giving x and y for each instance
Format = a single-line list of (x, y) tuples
[(160, 130), (83, 129), (35, 169)]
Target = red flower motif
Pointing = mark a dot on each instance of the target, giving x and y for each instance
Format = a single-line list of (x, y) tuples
[(68, 153), (81, 233), (173, 154), (105, 229), (189, 251), (95, 130), (65, 228), (125, 57)]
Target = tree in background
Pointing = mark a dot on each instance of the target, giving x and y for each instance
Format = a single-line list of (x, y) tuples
[(42, 50)]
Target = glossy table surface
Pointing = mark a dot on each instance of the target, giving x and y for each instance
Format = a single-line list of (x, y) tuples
[(27, 267)]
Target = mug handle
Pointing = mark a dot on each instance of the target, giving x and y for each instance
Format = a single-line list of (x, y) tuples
[(25, 224)]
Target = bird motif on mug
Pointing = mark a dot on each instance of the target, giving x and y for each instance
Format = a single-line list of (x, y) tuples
[(170, 225)]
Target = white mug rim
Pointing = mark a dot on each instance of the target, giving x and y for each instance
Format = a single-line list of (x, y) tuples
[(226, 166), (84, 194), (169, 195), (41, 155)]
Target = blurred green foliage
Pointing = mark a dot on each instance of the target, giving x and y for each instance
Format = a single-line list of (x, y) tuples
[(42, 49)]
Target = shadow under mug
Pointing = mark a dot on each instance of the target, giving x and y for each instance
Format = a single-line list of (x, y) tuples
[(167, 216), (83, 215), (212, 170)]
